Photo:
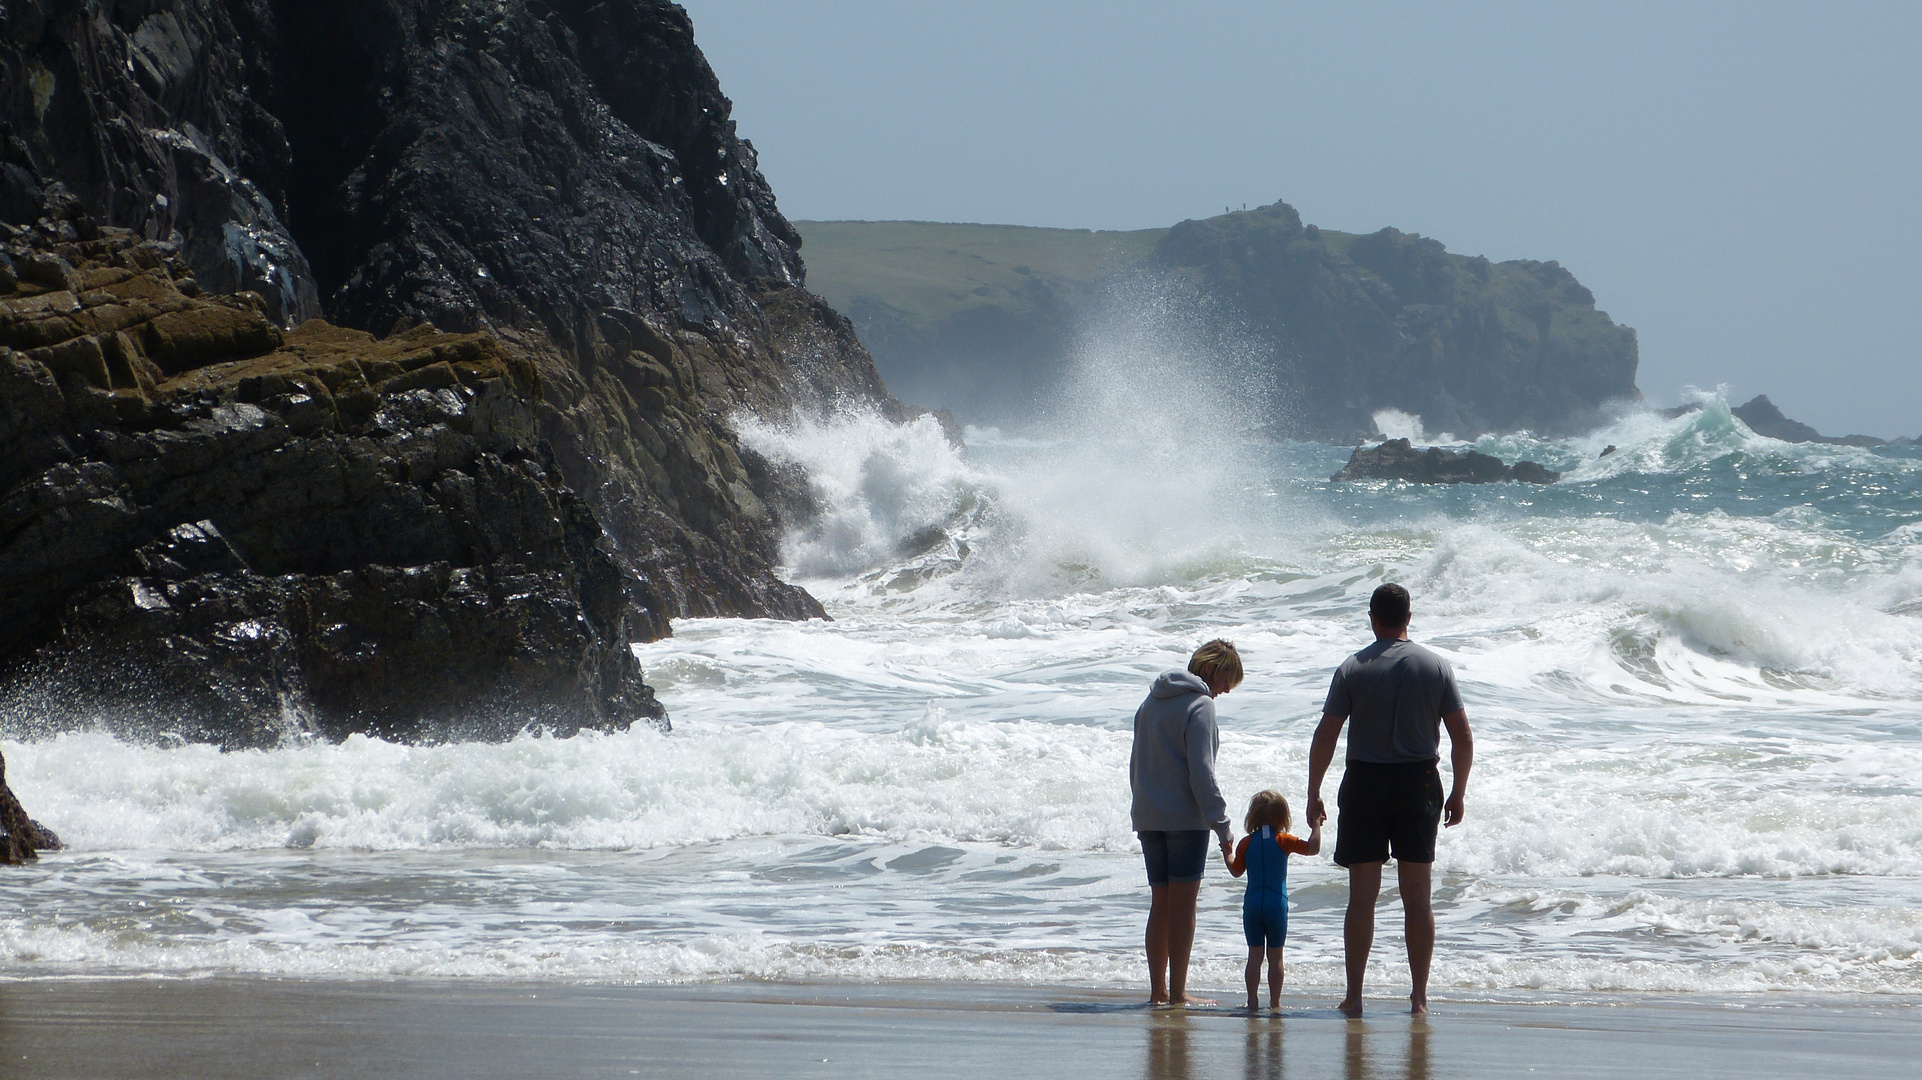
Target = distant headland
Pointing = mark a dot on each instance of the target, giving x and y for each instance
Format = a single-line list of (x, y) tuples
[(982, 319)]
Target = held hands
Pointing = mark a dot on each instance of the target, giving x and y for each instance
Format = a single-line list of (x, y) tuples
[(1317, 812), (1227, 847), (1456, 810)]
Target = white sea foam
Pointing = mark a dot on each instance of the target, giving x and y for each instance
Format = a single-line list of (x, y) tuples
[(1397, 424), (1693, 667)]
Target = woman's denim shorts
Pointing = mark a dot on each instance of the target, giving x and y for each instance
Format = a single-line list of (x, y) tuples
[(1174, 856)]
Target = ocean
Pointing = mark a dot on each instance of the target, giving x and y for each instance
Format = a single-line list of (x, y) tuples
[(1693, 666)]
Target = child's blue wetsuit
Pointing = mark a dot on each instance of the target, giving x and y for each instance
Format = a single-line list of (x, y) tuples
[(1264, 907)]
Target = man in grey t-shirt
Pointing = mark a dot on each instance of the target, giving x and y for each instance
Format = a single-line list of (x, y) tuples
[(1399, 697)]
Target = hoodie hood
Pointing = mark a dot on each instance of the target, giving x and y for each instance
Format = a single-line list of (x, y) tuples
[(1176, 683)]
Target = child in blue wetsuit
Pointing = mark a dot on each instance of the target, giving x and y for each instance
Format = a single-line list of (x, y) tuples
[(1263, 856)]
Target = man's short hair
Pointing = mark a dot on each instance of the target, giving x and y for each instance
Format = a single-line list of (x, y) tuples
[(1217, 661), (1389, 606)]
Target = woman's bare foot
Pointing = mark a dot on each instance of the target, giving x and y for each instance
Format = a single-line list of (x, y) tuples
[(1419, 1005), (1190, 1002), (1350, 1009)]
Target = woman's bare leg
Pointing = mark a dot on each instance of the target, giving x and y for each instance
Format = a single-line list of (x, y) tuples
[(1181, 940), (1157, 944)]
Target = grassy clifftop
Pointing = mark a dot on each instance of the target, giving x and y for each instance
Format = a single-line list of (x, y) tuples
[(929, 271)]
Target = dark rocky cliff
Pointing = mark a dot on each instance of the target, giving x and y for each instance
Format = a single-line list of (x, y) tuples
[(234, 534), (560, 175)]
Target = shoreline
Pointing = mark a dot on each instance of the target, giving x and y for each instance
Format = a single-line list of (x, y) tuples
[(220, 1027)]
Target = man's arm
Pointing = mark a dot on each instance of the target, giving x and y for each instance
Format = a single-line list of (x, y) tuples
[(1461, 758), (1321, 754)]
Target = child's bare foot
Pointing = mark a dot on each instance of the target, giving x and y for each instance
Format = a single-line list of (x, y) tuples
[(1190, 1002), (1350, 1008)]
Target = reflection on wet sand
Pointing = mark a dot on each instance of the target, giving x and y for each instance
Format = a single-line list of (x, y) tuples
[(1380, 1051), (1168, 1048), (1263, 1051), (1362, 1060)]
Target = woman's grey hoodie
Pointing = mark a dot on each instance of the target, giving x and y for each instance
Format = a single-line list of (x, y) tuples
[(1173, 768)]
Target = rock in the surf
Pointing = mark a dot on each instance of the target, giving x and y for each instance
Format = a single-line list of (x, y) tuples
[(1398, 459), (21, 837)]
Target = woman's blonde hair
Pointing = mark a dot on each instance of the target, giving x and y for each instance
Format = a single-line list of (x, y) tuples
[(1267, 808), (1217, 661)]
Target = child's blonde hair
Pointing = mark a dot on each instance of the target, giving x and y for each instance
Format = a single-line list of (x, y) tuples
[(1267, 808)]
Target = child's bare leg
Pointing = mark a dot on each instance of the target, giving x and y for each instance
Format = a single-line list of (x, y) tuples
[(1253, 972), (1157, 944), (1274, 977)]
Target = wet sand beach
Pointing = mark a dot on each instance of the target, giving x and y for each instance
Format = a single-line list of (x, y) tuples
[(234, 1028)]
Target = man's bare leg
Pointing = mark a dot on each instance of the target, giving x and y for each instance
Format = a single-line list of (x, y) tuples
[(1358, 929), (1181, 940), (1157, 944), (1418, 913)]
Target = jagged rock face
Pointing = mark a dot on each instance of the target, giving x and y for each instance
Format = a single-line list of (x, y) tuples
[(233, 533), (142, 114), (1397, 459), (570, 167), (520, 164), (1393, 320), (561, 172)]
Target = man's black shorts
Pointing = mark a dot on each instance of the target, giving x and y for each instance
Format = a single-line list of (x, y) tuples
[(1388, 808)]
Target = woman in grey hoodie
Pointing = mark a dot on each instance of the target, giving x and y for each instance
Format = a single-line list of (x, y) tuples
[(1177, 804)]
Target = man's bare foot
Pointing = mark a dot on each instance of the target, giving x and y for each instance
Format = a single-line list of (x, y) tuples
[(1190, 1002), (1350, 1009), (1419, 1005)]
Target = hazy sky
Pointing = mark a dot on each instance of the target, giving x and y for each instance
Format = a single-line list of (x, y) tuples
[(1742, 183)]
